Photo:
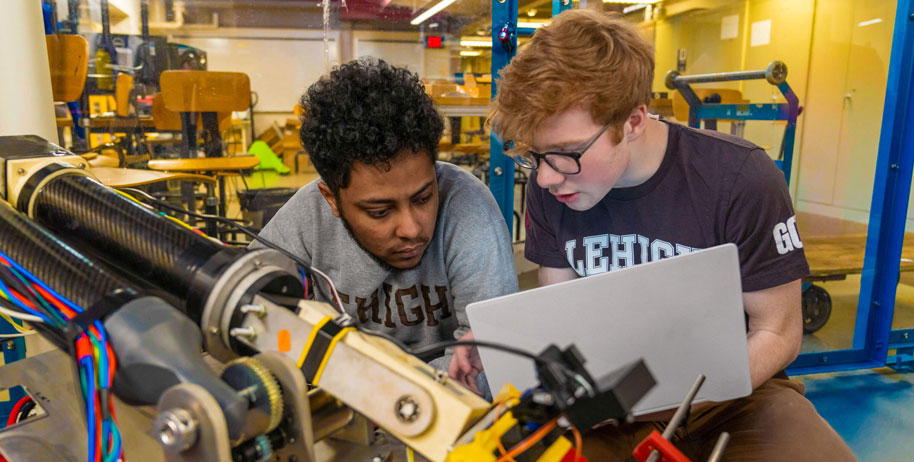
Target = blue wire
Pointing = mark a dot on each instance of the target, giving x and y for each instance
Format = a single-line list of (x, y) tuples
[(103, 356), (41, 283), (116, 448), (106, 429), (15, 301), (103, 359), (90, 405)]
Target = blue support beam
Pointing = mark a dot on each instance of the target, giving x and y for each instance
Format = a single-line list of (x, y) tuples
[(892, 185), (501, 167), (559, 6)]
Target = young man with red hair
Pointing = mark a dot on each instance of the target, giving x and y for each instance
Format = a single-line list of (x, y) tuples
[(613, 187)]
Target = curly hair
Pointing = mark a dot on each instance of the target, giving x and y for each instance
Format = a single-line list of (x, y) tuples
[(366, 111), (584, 58)]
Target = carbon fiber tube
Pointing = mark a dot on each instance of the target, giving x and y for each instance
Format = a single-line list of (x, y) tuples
[(58, 265), (141, 327), (90, 215)]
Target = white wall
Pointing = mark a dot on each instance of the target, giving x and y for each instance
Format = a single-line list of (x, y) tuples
[(282, 64)]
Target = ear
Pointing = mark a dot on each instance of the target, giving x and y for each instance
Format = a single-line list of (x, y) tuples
[(329, 197), (636, 123)]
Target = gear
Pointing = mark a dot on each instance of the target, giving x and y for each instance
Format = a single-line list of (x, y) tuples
[(253, 380)]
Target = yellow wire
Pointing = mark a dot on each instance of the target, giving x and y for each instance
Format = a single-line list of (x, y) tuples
[(185, 225), (410, 455), (20, 329)]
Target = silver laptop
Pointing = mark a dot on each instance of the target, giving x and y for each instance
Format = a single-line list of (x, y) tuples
[(683, 315)]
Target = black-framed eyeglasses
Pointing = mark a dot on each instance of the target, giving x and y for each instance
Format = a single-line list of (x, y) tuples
[(566, 163)]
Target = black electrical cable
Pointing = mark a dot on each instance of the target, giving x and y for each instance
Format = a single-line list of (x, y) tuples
[(428, 349), (24, 411), (228, 221)]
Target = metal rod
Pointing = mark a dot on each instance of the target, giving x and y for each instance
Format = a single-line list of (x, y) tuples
[(775, 74), (683, 408), (678, 416), (718, 450), (722, 76)]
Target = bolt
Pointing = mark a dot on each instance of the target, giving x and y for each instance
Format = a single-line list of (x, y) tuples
[(177, 429), (257, 264), (893, 166), (248, 332), (498, 171), (407, 409), (81, 165), (565, 2), (291, 440), (905, 335), (21, 171), (911, 17), (824, 359), (214, 330), (441, 377), (258, 310), (543, 398)]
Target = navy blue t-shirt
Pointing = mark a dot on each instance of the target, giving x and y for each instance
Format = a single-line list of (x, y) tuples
[(711, 189)]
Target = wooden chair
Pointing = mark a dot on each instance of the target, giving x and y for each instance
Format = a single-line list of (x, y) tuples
[(206, 93), (68, 58)]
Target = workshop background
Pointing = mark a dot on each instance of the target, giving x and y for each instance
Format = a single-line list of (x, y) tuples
[(837, 54)]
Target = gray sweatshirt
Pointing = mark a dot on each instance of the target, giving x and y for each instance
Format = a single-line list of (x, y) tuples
[(470, 258)]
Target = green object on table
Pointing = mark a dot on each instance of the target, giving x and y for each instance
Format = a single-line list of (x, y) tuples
[(268, 159)]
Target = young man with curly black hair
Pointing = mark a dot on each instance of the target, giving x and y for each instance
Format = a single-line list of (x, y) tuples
[(408, 241)]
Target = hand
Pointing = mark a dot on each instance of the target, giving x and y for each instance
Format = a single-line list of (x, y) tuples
[(465, 364)]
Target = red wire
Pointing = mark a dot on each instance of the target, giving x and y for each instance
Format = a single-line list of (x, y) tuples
[(57, 303), (22, 298), (16, 408)]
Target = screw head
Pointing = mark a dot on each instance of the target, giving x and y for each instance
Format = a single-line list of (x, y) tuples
[(407, 409), (177, 429), (498, 171), (21, 171)]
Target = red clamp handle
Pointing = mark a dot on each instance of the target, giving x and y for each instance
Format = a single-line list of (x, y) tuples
[(655, 441)]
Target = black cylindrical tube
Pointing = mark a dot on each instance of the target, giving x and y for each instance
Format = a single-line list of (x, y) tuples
[(154, 248), (59, 266)]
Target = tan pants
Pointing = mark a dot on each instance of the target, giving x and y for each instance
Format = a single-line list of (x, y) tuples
[(775, 423)]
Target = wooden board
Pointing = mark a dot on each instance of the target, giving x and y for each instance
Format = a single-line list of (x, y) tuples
[(129, 177), (841, 255), (209, 164), (115, 122)]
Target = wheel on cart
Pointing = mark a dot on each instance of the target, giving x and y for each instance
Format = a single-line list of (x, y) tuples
[(816, 308)]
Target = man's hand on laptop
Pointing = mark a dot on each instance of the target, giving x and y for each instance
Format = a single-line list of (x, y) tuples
[(465, 364)]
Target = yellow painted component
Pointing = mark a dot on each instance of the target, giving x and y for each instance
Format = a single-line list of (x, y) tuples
[(482, 448), (507, 393), (557, 451), (336, 338), (314, 331)]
